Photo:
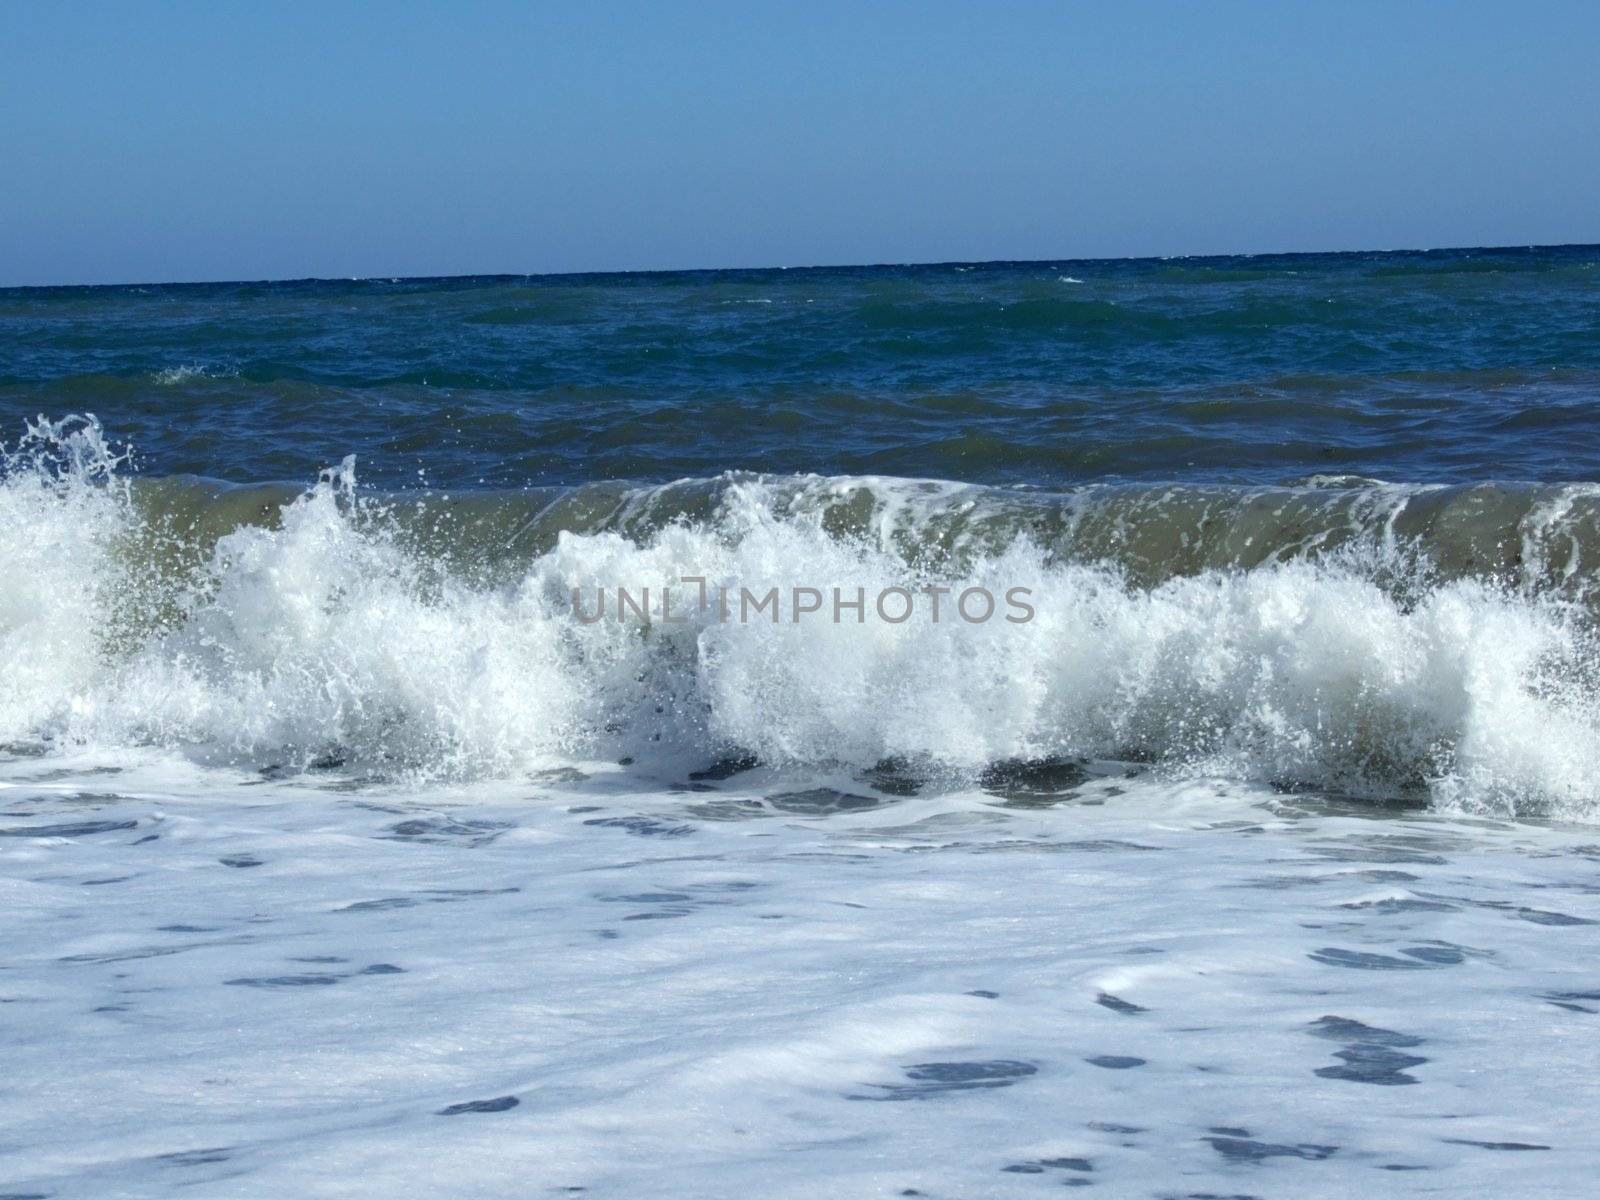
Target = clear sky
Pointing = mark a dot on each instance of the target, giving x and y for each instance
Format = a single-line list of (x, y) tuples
[(216, 140)]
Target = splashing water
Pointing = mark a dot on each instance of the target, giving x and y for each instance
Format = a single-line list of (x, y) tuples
[(336, 623)]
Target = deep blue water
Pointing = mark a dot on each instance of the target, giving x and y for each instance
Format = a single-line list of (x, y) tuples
[(1426, 366)]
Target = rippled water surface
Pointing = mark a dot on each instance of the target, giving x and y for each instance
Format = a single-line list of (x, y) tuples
[(1444, 365)]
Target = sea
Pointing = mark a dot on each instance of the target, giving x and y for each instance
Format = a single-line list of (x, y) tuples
[(958, 730)]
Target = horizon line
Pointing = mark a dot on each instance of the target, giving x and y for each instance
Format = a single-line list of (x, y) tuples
[(382, 277)]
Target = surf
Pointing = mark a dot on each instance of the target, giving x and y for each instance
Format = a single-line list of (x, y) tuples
[(1373, 639)]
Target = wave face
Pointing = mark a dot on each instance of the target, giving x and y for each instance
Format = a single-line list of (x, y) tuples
[(1380, 640)]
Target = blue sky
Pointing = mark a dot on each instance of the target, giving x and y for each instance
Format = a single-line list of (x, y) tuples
[(178, 141)]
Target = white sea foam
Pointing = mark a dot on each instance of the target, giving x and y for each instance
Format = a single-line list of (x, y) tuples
[(61, 509), (329, 635), (537, 987), (185, 372), (795, 979)]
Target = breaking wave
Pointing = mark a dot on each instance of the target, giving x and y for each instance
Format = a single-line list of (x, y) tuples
[(1376, 639)]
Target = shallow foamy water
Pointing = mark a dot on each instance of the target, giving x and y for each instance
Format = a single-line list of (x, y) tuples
[(631, 982)]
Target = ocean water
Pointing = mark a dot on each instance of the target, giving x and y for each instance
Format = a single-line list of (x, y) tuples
[(359, 839)]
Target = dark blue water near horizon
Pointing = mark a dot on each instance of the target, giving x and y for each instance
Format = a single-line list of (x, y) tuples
[(1426, 366)]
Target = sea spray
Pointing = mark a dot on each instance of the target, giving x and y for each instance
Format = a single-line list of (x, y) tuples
[(63, 507), (324, 629)]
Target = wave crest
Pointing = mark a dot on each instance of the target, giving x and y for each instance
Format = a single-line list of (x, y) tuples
[(1368, 638)]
